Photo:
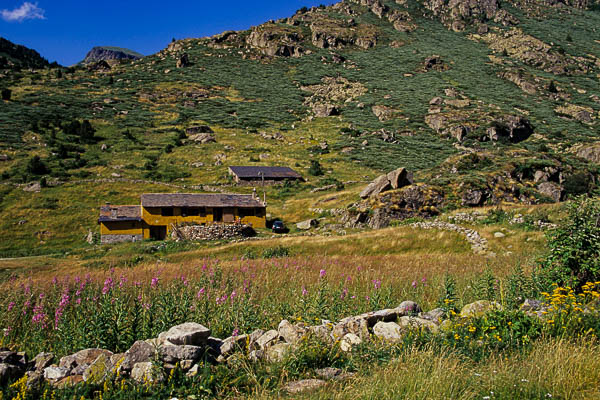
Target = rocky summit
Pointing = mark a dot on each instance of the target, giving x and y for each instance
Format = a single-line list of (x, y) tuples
[(100, 53)]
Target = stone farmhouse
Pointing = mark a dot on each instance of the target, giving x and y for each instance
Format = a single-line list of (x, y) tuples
[(158, 212)]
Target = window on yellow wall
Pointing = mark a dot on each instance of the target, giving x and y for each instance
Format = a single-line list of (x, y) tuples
[(166, 211), (246, 212), (194, 212)]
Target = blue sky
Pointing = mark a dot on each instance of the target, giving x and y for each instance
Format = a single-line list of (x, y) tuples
[(65, 30)]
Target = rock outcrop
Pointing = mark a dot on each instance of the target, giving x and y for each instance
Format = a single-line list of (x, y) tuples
[(100, 53)]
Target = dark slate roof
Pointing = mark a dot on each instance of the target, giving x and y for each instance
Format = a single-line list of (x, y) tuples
[(200, 200), (255, 172), (111, 213)]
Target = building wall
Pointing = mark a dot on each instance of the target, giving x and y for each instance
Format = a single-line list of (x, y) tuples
[(153, 217), (121, 228)]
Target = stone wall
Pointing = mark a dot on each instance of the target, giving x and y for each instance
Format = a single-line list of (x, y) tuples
[(210, 232), (108, 239)]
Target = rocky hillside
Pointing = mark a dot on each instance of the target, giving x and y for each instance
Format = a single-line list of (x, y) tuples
[(100, 53), (14, 56), (484, 102)]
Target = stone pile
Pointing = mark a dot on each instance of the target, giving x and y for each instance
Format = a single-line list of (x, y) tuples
[(478, 244), (188, 345), (210, 232)]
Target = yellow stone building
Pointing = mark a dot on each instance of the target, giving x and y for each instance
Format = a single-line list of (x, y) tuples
[(153, 218)]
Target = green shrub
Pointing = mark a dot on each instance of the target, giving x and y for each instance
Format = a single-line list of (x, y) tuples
[(573, 257), (6, 94), (276, 252), (315, 168)]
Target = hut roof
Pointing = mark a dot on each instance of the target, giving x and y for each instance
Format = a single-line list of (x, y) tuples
[(200, 200), (258, 172), (110, 213)]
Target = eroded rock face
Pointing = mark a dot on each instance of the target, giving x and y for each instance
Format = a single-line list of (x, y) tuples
[(458, 14), (590, 153), (551, 190)]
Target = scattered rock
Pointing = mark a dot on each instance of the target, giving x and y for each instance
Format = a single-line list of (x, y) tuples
[(189, 333), (389, 331), (349, 341), (55, 373), (479, 308), (146, 372), (307, 225), (303, 386)]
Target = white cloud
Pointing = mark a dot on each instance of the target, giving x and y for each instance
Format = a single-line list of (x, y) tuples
[(26, 11)]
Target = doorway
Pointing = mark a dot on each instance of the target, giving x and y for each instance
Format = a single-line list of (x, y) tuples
[(218, 215), (158, 232)]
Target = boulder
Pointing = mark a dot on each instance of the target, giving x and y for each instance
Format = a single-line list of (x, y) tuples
[(233, 344), (552, 190), (389, 331), (68, 381), (9, 372), (42, 361), (55, 373), (324, 110), (381, 184), (196, 129), (357, 325), (479, 308), (82, 358), (349, 341), (308, 224), (400, 177), (213, 346), (98, 370), (189, 333), (303, 386), (141, 351), (590, 153), (203, 138), (417, 323), (436, 315), (183, 61), (267, 339), (173, 354), (277, 352), (145, 372), (473, 197), (290, 333), (408, 308)]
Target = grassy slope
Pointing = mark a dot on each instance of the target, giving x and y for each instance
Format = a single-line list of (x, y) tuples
[(245, 97)]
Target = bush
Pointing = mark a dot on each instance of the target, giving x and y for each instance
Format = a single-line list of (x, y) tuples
[(315, 168), (573, 257), (276, 252), (6, 93), (36, 166)]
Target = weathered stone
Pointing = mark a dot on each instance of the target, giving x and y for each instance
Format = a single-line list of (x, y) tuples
[(389, 331), (479, 308), (324, 110), (196, 129), (174, 354), (183, 61), (69, 381), (189, 333), (303, 386), (9, 372), (590, 153), (98, 370), (146, 372), (499, 235), (552, 190), (400, 177), (193, 371), (328, 373), (9, 357), (141, 351), (349, 341), (213, 346), (417, 323), (308, 224), (436, 315), (381, 184), (322, 332), (358, 326), (233, 344), (55, 373), (409, 308), (473, 197), (267, 339), (277, 352), (83, 357), (290, 333)]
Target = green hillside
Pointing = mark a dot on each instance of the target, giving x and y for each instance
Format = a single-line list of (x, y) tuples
[(485, 99)]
